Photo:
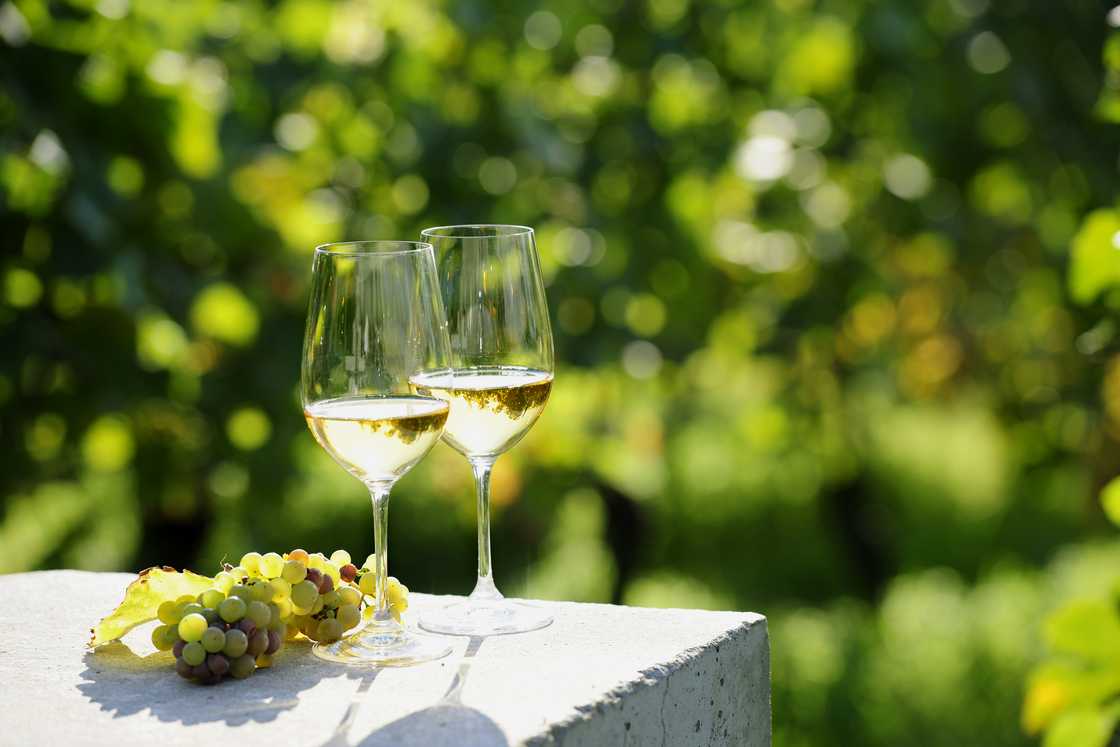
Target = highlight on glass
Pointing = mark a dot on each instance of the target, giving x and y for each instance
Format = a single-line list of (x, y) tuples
[(501, 378), (375, 324)]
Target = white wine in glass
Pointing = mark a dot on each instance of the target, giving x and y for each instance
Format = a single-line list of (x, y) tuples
[(492, 407), (502, 368), (375, 321)]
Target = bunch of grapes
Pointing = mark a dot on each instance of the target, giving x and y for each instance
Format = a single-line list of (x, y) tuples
[(215, 634), (239, 624)]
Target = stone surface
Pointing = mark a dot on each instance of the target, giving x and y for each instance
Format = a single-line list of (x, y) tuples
[(599, 675)]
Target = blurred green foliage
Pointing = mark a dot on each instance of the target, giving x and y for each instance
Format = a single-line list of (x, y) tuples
[(1072, 694), (835, 286)]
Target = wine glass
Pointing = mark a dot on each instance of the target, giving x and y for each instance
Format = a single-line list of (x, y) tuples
[(501, 358), (375, 321)]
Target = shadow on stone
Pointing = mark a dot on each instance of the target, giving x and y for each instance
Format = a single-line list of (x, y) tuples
[(122, 683), (448, 723), (441, 725)]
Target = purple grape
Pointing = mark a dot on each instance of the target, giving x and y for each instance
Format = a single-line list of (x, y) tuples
[(185, 670), (258, 642), (217, 664), (247, 627), (177, 649), (314, 575), (348, 572), (326, 584), (200, 671), (274, 641)]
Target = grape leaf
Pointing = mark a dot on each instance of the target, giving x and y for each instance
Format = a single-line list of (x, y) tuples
[(142, 599)]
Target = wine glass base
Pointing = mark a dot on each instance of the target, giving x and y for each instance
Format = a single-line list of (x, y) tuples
[(485, 617), (401, 649)]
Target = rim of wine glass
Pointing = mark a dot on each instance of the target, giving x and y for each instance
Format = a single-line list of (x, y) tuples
[(355, 248), (506, 230)]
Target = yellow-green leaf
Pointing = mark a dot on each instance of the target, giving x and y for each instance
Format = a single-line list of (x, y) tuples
[(1110, 500), (1083, 727), (142, 599), (1095, 263), (1089, 628)]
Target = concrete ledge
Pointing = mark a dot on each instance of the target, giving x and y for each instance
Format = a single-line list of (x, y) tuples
[(600, 675)]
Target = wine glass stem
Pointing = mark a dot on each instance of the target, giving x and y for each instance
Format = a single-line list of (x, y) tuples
[(379, 493), (484, 587)]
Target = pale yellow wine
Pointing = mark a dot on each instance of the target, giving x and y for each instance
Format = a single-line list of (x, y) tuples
[(377, 439), (492, 407)]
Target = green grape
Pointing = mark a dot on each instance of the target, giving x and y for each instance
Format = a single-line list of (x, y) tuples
[(213, 640), (368, 584), (224, 581), (242, 666), (242, 591), (251, 561), (260, 591), (164, 636), (192, 626), (190, 608), (340, 557), (212, 598), (236, 643), (239, 573), (396, 592), (349, 595), (185, 599), (278, 625), (281, 589), (299, 555), (294, 572), (232, 609), (271, 565), (329, 630), (333, 574), (348, 616), (259, 613), (193, 653), (317, 561), (304, 594), (168, 613), (281, 610), (330, 599), (318, 606)]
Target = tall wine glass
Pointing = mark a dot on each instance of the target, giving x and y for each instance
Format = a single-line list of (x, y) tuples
[(501, 356), (376, 321)]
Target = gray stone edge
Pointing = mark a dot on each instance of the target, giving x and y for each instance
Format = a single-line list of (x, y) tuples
[(650, 677)]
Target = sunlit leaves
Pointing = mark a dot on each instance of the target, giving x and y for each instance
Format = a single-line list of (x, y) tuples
[(1088, 629), (222, 312), (1110, 500), (1095, 256), (822, 59)]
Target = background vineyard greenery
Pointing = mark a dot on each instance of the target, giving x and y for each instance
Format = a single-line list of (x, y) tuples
[(834, 284)]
